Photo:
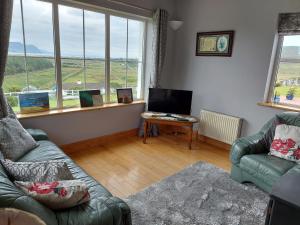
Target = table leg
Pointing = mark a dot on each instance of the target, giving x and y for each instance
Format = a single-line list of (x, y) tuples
[(145, 131), (191, 137)]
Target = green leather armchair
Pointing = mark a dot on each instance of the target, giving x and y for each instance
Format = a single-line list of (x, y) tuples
[(251, 162)]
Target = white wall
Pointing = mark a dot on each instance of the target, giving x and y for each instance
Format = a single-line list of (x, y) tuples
[(77, 126), (229, 85), (73, 127)]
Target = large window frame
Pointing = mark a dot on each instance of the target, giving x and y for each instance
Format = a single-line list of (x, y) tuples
[(273, 74), (57, 44)]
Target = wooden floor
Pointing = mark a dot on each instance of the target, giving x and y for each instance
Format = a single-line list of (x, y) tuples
[(127, 166)]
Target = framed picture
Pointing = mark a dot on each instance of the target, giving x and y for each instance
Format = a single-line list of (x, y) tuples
[(124, 95), (215, 43), (90, 98), (34, 102)]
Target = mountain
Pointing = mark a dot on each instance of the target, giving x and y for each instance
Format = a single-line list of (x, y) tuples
[(17, 47), (291, 52)]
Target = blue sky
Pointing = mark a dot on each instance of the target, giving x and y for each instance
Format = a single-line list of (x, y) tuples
[(39, 31)]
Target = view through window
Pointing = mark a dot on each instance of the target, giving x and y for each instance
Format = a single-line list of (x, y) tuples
[(287, 86), (31, 65)]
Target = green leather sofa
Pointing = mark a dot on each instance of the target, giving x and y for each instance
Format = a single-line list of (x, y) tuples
[(251, 162), (103, 208)]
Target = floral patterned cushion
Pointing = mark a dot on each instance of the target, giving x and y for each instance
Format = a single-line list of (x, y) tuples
[(286, 143), (57, 194)]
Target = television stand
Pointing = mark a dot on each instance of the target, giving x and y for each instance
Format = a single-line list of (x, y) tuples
[(169, 119)]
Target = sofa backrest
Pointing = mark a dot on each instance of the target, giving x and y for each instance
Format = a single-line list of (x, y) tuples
[(289, 118)]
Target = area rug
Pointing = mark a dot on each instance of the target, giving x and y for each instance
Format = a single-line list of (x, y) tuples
[(201, 194)]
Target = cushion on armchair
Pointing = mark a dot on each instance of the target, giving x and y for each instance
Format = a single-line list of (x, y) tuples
[(286, 143)]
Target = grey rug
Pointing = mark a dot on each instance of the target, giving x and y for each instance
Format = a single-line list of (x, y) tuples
[(201, 194)]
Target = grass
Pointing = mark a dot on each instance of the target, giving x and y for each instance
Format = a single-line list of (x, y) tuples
[(73, 78), (282, 91), (287, 71)]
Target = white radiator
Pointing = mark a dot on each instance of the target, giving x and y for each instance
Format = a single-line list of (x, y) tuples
[(220, 127)]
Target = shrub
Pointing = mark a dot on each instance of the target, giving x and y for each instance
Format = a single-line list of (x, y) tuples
[(12, 100)]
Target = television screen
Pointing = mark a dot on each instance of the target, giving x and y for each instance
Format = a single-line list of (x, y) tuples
[(170, 101)]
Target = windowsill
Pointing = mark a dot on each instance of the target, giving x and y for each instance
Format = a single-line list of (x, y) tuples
[(279, 106), (73, 110)]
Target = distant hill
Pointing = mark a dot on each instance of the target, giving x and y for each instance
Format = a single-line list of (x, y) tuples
[(17, 47), (291, 52)]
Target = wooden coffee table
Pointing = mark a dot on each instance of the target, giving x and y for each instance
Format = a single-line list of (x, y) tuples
[(172, 120)]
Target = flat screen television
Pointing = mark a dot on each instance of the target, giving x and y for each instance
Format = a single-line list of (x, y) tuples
[(170, 101)]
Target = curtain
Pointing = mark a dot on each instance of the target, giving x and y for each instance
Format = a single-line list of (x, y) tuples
[(289, 23), (6, 7), (160, 31)]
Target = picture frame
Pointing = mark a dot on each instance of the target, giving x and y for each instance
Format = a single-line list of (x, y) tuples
[(34, 102), (90, 98), (219, 43), (124, 95)]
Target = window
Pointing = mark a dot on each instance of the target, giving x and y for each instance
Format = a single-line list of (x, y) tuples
[(30, 66), (287, 84), (33, 65), (126, 55), (283, 85)]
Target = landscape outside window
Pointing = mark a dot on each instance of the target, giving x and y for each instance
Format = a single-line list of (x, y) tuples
[(36, 72), (31, 66), (287, 86)]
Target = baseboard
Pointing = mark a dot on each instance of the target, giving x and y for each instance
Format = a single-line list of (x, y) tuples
[(210, 141), (95, 142), (216, 143)]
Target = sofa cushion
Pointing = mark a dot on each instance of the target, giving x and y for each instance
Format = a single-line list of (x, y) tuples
[(49, 151), (15, 141), (267, 168), (44, 171), (58, 194), (286, 143)]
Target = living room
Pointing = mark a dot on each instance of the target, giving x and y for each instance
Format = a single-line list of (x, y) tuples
[(149, 112)]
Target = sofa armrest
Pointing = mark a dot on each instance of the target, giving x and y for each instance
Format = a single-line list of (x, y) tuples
[(295, 169), (37, 134), (246, 146)]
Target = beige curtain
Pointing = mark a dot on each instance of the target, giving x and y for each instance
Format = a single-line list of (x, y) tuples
[(160, 30)]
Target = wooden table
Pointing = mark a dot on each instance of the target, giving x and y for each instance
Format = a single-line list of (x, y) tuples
[(155, 118)]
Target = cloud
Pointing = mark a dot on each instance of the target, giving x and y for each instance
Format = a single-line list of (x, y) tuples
[(39, 30)]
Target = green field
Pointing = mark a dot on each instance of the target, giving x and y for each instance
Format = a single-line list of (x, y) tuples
[(287, 71), (41, 76)]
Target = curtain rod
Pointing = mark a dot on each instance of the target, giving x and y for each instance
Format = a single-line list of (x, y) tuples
[(130, 5)]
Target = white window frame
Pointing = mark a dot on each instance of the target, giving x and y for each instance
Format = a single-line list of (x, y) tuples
[(57, 47), (273, 70)]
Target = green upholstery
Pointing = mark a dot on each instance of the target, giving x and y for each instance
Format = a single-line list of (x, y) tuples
[(251, 162), (37, 134), (103, 208)]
